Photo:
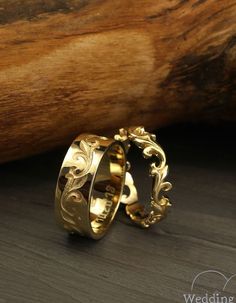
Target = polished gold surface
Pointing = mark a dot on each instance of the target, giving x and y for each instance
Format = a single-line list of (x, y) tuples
[(156, 210), (90, 185)]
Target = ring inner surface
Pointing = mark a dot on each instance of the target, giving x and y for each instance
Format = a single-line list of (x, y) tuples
[(140, 208), (107, 188)]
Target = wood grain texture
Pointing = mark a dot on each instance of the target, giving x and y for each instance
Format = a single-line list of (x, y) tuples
[(72, 66), (40, 263)]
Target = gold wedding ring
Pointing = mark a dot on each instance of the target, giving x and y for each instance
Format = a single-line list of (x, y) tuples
[(156, 210), (90, 185)]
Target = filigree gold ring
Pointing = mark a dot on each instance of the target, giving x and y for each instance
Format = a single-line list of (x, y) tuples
[(90, 185), (149, 213)]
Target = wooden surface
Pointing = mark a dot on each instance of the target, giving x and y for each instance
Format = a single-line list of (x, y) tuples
[(40, 263), (72, 66)]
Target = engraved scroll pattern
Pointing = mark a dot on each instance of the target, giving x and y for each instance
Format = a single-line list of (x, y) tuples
[(158, 171), (72, 201)]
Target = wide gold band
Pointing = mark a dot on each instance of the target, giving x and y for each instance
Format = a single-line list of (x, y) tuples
[(90, 185), (156, 210)]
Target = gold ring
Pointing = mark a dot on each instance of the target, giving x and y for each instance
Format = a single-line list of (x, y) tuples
[(90, 185), (156, 210)]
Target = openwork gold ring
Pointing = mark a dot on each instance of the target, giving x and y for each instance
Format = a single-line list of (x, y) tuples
[(90, 185), (156, 210)]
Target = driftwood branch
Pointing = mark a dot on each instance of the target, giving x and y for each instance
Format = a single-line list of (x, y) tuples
[(72, 66)]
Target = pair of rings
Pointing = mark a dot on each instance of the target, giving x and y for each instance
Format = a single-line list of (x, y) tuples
[(92, 178)]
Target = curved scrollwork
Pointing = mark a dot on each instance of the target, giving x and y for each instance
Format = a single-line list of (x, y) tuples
[(158, 171), (79, 164)]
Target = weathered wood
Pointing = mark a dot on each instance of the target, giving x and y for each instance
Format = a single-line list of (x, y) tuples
[(73, 66)]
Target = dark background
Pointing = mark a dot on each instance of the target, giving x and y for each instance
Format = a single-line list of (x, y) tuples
[(39, 262)]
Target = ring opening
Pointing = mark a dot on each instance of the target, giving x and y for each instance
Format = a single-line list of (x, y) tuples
[(107, 187)]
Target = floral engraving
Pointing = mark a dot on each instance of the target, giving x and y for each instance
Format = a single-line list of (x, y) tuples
[(158, 171), (72, 200)]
